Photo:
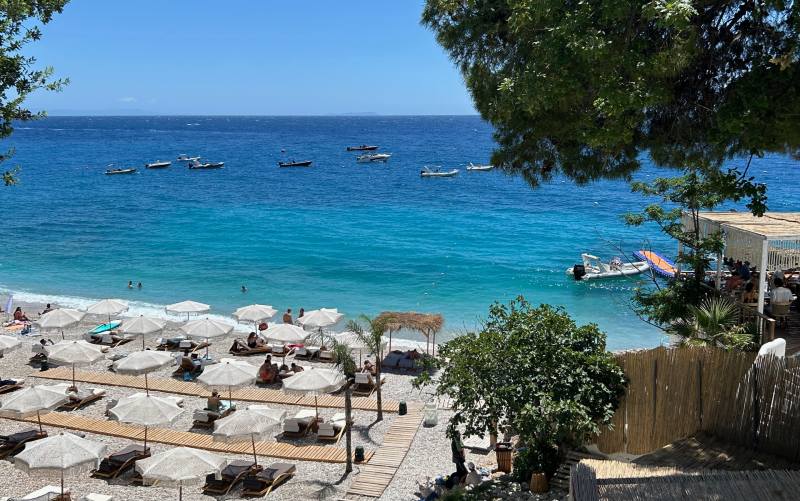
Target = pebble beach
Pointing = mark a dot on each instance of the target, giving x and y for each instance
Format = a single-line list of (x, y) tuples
[(429, 454)]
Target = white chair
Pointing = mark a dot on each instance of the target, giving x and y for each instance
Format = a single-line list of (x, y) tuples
[(46, 493)]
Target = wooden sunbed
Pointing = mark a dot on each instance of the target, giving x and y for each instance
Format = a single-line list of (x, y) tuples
[(258, 350), (365, 384), (14, 443), (118, 463), (262, 483), (337, 425), (79, 400), (98, 339), (7, 388), (303, 426), (235, 472), (192, 349), (212, 416)]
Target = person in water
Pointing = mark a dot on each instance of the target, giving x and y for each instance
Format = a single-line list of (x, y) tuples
[(47, 309), (130, 284), (287, 317), (302, 312), (244, 289), (139, 285)]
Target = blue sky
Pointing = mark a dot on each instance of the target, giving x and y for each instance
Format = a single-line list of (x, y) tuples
[(247, 57)]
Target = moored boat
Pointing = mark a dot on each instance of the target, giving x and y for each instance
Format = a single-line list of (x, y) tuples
[(363, 147), (292, 163), (210, 165), (374, 157), (593, 268), (110, 172), (474, 167), (435, 172), (159, 164), (183, 157)]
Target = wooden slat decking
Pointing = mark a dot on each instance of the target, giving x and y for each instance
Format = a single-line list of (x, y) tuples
[(377, 474), (320, 453), (166, 385)]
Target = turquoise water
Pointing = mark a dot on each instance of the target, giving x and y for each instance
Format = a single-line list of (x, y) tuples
[(361, 238)]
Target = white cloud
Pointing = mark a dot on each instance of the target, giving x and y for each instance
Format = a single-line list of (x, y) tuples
[(127, 99)]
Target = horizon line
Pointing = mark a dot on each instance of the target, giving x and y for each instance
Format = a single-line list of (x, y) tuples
[(352, 115)]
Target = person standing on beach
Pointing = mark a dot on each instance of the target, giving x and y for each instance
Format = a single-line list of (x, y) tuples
[(459, 456), (287, 317)]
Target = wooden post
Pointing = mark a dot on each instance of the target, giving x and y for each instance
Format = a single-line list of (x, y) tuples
[(718, 280), (347, 422)]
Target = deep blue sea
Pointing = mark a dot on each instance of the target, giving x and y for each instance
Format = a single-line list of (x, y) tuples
[(361, 238)]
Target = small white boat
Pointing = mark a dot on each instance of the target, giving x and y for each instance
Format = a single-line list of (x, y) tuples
[(183, 157), (211, 165), (374, 157), (435, 172), (593, 268), (474, 167), (158, 165), (111, 172)]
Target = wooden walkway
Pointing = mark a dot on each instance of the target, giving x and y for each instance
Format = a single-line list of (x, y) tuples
[(169, 385), (377, 474), (321, 453)]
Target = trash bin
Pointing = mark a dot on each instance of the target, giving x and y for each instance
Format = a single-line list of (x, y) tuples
[(504, 456), (359, 456), (431, 417), (402, 409)]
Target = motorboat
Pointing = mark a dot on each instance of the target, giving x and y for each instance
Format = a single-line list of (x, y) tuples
[(210, 165), (183, 157), (436, 172), (374, 157), (474, 167), (292, 163), (110, 172), (593, 268), (363, 147), (158, 165)]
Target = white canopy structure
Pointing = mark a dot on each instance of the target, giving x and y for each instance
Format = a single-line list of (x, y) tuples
[(770, 242)]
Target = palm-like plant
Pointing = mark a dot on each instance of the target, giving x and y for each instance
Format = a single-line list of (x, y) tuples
[(370, 333), (714, 323)]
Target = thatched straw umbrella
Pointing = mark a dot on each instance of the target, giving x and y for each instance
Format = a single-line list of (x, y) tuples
[(427, 324)]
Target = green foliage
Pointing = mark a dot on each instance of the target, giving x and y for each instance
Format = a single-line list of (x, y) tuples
[(686, 196), (583, 88), (370, 333), (714, 323), (19, 25), (534, 372), (543, 457)]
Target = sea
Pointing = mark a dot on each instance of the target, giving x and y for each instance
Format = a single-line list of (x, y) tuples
[(362, 238)]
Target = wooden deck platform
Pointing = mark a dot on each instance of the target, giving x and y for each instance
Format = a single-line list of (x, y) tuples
[(321, 453), (377, 474), (259, 395)]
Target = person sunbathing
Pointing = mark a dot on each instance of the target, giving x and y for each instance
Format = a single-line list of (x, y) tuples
[(369, 367), (191, 364), (253, 342), (214, 403), (20, 315), (268, 371), (296, 368)]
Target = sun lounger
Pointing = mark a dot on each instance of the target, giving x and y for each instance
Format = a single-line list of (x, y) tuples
[(118, 463), (332, 430), (235, 472), (108, 338), (258, 350), (281, 350), (47, 493), (307, 352), (177, 344), (262, 483), (16, 385), (300, 424), (14, 443), (365, 384), (204, 418), (325, 356), (83, 397)]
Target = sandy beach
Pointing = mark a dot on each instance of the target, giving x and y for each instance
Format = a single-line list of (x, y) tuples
[(428, 456)]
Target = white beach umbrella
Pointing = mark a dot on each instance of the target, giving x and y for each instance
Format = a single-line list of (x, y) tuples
[(206, 328), (180, 466), (228, 374), (285, 333), (33, 400), (142, 362), (314, 382), (8, 343), (249, 424), (110, 307), (318, 319), (61, 318), (76, 353), (145, 410), (188, 307), (142, 326), (352, 341), (255, 313), (64, 454)]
